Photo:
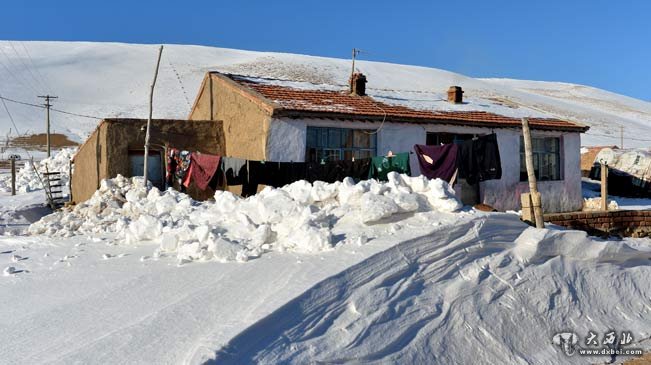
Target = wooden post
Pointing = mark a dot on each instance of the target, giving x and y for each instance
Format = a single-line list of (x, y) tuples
[(604, 186), (70, 179), (533, 186), (151, 107), (13, 175)]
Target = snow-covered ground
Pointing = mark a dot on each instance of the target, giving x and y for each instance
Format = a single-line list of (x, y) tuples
[(112, 80), (592, 189), (394, 283), (332, 273)]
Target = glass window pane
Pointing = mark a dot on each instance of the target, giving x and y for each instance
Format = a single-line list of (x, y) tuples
[(311, 137), (362, 139), (347, 138), (334, 138)]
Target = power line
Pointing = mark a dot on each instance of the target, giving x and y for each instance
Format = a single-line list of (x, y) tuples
[(25, 66), (9, 114), (51, 109), (11, 63), (43, 78), (13, 74)]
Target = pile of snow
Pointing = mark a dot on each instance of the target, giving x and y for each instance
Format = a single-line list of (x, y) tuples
[(28, 180), (484, 291), (298, 217), (591, 204)]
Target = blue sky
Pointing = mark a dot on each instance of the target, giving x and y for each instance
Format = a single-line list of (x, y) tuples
[(606, 44)]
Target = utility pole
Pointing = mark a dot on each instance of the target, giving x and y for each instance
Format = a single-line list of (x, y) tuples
[(355, 53), (621, 136), (151, 108), (47, 108)]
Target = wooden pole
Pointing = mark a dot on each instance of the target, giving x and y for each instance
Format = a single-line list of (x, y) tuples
[(70, 178), (604, 186), (151, 108), (47, 119), (533, 186), (13, 175)]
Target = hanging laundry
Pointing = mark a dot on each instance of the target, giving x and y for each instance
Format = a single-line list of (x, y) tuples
[(487, 154), (234, 170), (479, 159), (437, 161), (178, 163), (203, 168), (382, 165), (338, 170)]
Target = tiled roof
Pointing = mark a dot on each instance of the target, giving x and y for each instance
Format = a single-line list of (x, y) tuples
[(340, 104)]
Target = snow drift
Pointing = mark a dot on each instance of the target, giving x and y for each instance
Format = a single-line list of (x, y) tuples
[(484, 291), (27, 179), (298, 217)]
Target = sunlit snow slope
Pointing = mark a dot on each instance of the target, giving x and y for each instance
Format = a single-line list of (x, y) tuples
[(112, 80)]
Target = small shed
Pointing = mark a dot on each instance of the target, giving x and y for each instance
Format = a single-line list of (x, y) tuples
[(117, 147)]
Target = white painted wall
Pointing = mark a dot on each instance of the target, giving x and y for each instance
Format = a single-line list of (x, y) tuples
[(287, 138)]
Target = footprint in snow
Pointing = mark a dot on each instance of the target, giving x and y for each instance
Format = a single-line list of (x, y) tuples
[(144, 258), (106, 256), (11, 271), (17, 258)]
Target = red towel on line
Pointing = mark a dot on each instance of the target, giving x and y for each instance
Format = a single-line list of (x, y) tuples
[(202, 168)]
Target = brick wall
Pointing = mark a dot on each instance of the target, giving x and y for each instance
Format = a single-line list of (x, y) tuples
[(633, 223)]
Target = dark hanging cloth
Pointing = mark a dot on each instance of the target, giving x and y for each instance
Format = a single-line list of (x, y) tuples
[(171, 168), (203, 169), (382, 165), (338, 170), (234, 170), (479, 159), (487, 154), (444, 160)]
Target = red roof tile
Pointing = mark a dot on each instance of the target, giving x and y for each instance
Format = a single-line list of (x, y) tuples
[(324, 103)]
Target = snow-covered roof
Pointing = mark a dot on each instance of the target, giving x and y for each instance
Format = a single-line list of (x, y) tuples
[(299, 98)]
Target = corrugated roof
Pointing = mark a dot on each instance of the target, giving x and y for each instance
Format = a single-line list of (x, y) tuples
[(341, 104)]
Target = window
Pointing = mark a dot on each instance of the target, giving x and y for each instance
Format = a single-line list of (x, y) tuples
[(435, 139), (154, 167), (546, 159), (332, 144)]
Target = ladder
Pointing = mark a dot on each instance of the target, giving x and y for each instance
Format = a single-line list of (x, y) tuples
[(53, 189)]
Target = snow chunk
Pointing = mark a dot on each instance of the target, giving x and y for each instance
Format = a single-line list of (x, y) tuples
[(298, 217)]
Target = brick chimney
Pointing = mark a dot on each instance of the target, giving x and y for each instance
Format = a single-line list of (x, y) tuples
[(358, 84), (455, 95)]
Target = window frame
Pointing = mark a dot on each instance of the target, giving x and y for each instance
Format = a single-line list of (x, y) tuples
[(316, 147), (539, 154)]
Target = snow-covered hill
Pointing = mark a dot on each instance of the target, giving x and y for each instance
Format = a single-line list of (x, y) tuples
[(112, 80)]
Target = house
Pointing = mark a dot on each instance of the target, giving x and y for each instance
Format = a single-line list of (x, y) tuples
[(629, 170), (589, 158), (288, 120), (117, 147)]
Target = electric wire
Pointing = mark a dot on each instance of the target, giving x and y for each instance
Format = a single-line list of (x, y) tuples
[(20, 58)]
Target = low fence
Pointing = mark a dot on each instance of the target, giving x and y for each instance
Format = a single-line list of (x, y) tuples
[(625, 223)]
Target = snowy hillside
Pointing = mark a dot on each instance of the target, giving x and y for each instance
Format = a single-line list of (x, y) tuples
[(112, 80)]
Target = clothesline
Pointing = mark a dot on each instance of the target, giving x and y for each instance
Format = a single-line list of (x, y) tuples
[(184, 168)]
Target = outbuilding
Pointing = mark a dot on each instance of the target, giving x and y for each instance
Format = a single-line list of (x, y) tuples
[(117, 147)]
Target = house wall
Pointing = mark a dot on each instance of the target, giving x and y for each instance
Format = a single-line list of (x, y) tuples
[(90, 165), (245, 119), (111, 142), (287, 138)]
